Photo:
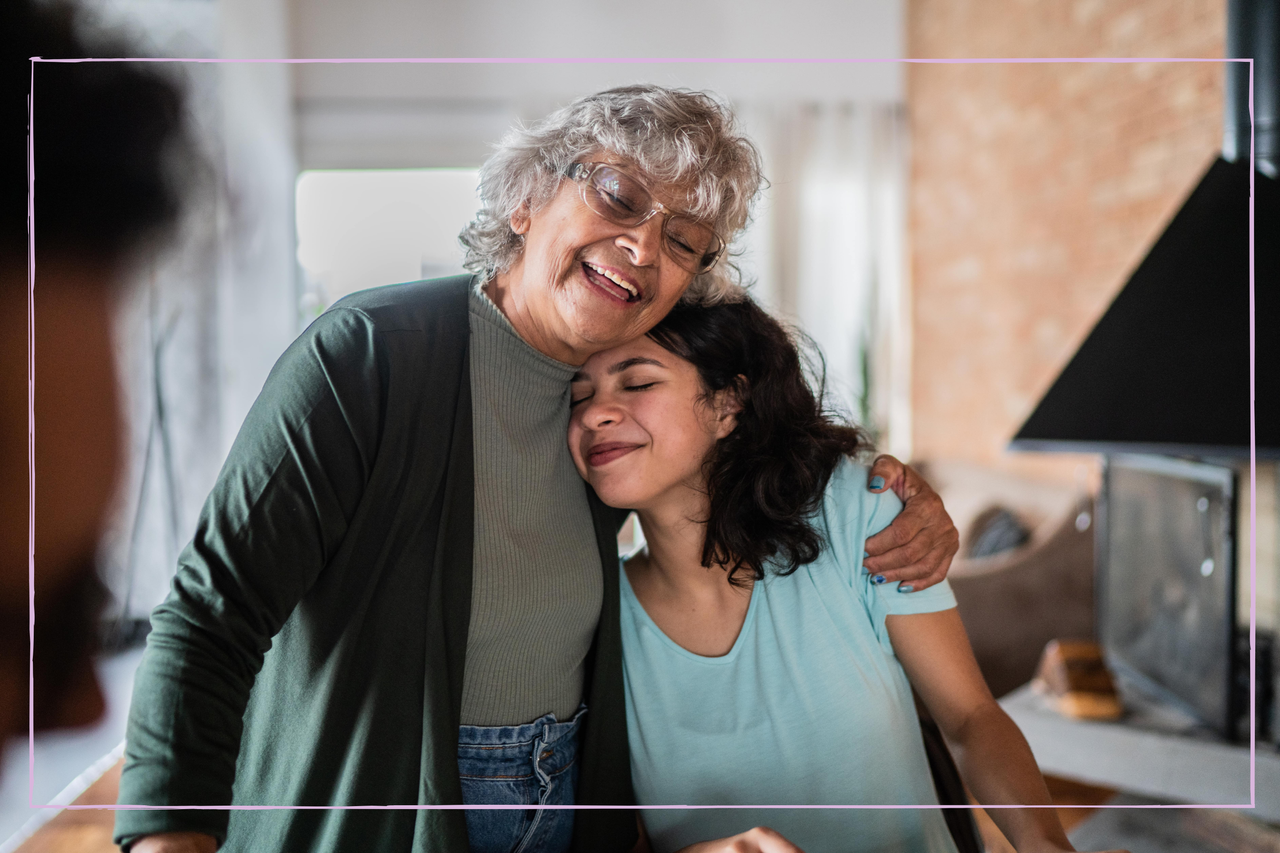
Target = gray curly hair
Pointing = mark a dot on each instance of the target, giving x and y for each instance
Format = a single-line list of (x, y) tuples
[(673, 136)]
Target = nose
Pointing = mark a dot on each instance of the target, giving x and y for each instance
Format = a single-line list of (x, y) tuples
[(643, 242), (599, 412)]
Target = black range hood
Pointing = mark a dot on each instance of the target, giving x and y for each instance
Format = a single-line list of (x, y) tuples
[(1166, 369)]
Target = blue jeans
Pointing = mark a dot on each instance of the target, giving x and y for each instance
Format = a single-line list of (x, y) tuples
[(534, 764)]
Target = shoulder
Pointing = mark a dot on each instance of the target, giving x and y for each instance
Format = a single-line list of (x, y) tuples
[(432, 305), (851, 505), (417, 331), (850, 514), (854, 514), (371, 324)]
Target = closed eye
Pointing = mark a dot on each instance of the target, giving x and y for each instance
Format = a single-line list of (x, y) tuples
[(639, 387), (619, 203), (681, 246), (573, 403)]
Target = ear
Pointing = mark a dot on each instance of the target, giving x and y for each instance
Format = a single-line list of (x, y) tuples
[(520, 219), (728, 405)]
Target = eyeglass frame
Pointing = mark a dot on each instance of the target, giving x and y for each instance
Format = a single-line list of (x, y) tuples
[(581, 173)]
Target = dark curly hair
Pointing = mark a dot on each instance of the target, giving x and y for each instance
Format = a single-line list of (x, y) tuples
[(113, 152), (766, 478)]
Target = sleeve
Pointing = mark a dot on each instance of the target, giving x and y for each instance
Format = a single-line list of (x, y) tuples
[(278, 510), (861, 514)]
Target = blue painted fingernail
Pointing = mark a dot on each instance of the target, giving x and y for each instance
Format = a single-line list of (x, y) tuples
[(878, 579), (877, 482), (905, 588)]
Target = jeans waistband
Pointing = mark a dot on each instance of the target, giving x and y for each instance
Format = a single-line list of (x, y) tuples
[(546, 728)]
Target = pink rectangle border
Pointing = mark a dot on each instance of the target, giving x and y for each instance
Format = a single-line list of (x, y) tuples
[(1253, 474)]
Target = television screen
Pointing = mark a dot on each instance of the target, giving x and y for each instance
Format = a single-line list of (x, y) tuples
[(1166, 585)]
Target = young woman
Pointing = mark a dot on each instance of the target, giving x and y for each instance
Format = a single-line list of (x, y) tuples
[(759, 669)]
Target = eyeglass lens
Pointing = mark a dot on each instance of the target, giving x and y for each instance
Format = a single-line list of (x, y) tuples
[(620, 198)]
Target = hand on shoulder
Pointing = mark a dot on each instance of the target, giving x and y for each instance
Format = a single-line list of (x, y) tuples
[(917, 548)]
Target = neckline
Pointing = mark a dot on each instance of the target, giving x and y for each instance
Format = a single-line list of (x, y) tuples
[(646, 620), (487, 312)]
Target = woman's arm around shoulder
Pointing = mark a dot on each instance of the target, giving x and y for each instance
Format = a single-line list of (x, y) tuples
[(914, 551)]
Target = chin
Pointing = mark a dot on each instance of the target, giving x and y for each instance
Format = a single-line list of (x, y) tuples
[(616, 495), (603, 336), (603, 322)]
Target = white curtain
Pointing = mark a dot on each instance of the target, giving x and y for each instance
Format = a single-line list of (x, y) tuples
[(827, 252), (200, 329)]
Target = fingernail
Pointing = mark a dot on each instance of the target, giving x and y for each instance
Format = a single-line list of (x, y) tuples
[(878, 579), (905, 588), (877, 482)]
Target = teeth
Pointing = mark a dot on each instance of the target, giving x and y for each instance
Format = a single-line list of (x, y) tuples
[(615, 279)]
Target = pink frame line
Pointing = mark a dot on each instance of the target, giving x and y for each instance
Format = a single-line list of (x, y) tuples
[(31, 271)]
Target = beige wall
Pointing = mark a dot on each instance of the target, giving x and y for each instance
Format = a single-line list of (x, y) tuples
[(1035, 189)]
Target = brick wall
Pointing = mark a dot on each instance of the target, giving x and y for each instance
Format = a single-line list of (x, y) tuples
[(1035, 190)]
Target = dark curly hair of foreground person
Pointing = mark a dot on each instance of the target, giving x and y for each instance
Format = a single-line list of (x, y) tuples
[(110, 144)]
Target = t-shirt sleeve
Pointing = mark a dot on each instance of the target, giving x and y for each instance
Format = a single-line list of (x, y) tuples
[(859, 514)]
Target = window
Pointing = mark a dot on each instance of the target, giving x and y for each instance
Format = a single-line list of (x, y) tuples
[(364, 228)]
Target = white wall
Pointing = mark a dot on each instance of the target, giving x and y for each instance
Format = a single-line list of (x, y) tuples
[(663, 28), (258, 287), (407, 114), (667, 29)]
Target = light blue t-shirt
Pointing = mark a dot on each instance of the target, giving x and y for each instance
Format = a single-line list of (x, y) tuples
[(810, 706)]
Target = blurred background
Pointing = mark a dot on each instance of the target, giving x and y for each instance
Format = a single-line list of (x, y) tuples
[(949, 234)]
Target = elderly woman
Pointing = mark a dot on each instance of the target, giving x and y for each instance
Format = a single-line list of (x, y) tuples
[(399, 591)]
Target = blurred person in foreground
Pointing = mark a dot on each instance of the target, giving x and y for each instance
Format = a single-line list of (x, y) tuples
[(399, 590), (106, 138)]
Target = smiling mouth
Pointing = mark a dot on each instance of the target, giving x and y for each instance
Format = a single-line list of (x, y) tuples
[(603, 454), (611, 282)]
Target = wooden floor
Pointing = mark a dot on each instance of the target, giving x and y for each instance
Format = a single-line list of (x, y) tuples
[(81, 830)]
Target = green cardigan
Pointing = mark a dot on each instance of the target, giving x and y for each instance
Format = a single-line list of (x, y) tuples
[(311, 650)]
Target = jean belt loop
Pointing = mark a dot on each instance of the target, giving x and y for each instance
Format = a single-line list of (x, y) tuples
[(539, 747)]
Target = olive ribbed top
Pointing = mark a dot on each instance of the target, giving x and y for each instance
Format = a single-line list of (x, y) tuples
[(536, 589)]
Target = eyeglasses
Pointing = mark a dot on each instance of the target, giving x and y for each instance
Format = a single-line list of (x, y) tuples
[(616, 196)]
